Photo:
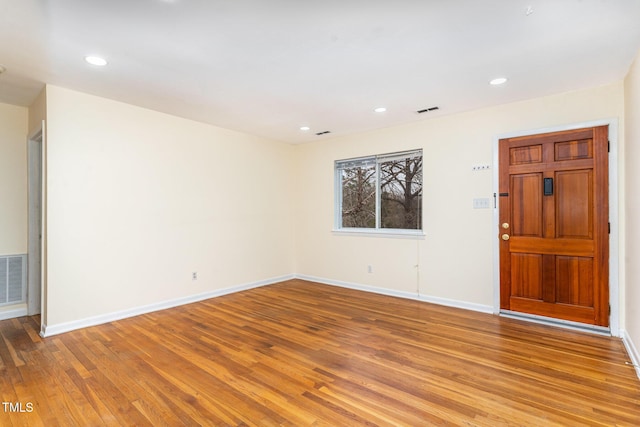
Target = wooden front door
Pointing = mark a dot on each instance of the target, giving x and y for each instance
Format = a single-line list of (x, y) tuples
[(554, 225)]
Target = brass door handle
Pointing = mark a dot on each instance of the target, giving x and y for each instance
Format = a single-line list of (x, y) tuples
[(505, 237)]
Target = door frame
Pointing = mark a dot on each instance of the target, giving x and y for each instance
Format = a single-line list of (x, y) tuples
[(36, 157), (614, 289), (34, 276)]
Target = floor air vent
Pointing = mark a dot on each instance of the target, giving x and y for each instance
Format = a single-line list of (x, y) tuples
[(13, 275)]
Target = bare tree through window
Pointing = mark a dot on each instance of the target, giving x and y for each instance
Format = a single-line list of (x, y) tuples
[(381, 191), (401, 193), (359, 197)]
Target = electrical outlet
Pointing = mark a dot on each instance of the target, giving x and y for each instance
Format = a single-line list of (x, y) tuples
[(194, 275), (369, 269)]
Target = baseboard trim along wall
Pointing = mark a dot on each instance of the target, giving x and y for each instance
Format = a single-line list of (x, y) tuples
[(400, 294), (11, 311), (50, 330), (632, 351)]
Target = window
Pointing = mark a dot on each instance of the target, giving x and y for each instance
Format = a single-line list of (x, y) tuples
[(380, 192)]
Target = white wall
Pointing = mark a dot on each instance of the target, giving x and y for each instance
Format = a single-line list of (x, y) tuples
[(455, 260), (632, 157), (13, 180), (138, 200), (37, 112)]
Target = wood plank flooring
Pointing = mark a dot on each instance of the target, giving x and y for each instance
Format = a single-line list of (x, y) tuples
[(298, 354)]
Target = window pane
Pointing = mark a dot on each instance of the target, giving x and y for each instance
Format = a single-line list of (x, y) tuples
[(359, 197), (401, 193)]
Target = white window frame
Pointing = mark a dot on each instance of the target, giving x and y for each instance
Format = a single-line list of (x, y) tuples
[(377, 231)]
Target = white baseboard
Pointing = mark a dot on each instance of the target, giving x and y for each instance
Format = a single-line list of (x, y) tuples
[(11, 311), (55, 329), (400, 294), (631, 350)]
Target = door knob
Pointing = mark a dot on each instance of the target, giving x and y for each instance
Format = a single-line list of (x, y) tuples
[(505, 225), (505, 237)]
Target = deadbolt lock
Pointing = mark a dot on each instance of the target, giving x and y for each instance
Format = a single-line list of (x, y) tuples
[(505, 225), (505, 237)]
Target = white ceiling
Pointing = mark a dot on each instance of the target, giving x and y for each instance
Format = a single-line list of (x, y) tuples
[(267, 67)]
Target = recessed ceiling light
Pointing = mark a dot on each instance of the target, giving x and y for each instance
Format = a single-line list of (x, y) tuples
[(305, 128), (96, 60), (380, 110), (498, 81)]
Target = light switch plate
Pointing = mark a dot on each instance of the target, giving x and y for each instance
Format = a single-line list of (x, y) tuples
[(481, 203)]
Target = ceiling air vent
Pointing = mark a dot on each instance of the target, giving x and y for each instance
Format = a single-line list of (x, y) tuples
[(427, 110), (323, 133)]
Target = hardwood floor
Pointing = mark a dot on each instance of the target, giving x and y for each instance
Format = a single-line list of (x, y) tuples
[(298, 353)]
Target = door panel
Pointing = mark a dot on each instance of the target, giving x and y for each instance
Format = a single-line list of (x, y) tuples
[(573, 150), (526, 275), (574, 280), (574, 204), (525, 155), (554, 251), (527, 217)]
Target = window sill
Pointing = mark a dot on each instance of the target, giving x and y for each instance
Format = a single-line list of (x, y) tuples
[(396, 234)]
